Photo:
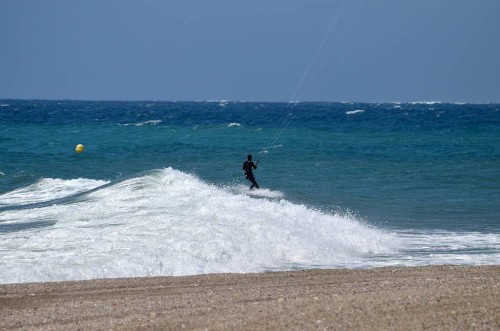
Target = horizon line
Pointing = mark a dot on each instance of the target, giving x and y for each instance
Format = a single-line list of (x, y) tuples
[(257, 101)]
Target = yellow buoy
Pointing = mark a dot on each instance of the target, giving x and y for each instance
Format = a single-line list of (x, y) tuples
[(79, 148)]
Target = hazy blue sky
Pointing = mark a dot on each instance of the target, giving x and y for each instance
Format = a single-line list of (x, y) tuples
[(258, 50)]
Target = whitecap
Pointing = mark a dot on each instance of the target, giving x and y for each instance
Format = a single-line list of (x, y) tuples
[(425, 102), (150, 122), (357, 111)]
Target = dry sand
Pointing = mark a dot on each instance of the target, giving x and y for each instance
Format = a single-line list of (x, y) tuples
[(444, 298)]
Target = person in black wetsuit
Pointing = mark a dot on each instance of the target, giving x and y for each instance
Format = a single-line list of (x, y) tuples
[(248, 167)]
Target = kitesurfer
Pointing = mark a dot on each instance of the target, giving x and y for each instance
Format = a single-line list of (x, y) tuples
[(248, 167)]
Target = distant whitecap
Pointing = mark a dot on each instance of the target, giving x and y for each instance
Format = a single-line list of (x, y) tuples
[(357, 111), (151, 122), (425, 102)]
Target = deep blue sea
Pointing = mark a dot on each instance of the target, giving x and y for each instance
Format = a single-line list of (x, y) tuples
[(159, 189)]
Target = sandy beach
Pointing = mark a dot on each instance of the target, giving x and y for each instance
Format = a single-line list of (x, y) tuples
[(437, 297)]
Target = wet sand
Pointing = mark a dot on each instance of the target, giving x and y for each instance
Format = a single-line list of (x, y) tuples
[(441, 297)]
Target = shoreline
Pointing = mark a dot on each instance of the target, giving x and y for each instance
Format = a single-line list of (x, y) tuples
[(416, 298)]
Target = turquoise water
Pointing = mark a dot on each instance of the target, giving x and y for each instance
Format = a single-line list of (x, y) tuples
[(344, 185)]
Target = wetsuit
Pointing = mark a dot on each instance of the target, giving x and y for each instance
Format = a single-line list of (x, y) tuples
[(248, 167)]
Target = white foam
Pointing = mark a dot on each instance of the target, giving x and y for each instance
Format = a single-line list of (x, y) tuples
[(234, 125), (172, 223), (448, 247), (261, 193), (425, 102), (47, 189), (150, 122), (357, 111)]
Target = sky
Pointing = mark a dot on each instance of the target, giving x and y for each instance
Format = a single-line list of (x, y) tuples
[(259, 50)]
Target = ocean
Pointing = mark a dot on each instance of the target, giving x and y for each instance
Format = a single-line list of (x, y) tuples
[(159, 189)]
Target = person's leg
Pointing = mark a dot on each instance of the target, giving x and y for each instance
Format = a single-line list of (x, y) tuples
[(254, 182), (250, 180)]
